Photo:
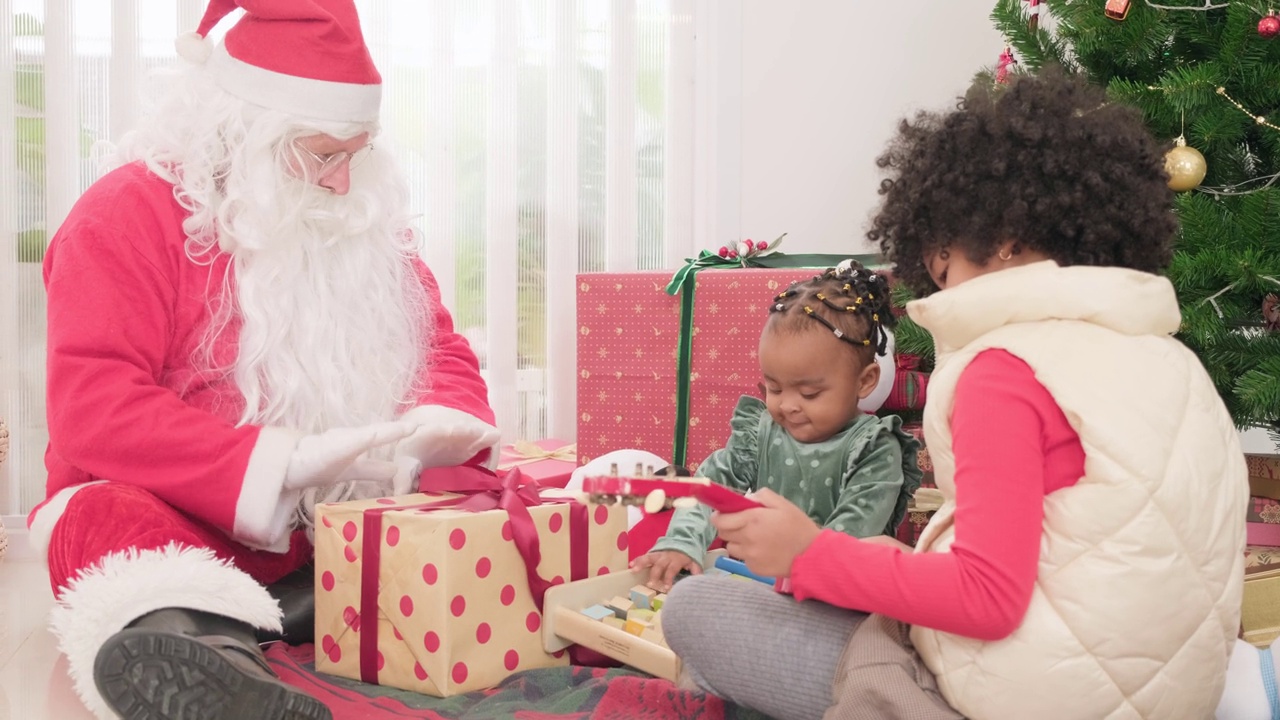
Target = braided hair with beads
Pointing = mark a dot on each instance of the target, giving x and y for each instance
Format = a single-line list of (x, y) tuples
[(851, 301)]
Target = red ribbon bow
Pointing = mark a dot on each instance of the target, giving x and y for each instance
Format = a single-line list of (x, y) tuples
[(481, 491)]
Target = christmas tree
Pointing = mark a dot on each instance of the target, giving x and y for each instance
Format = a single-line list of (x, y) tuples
[(1205, 73)]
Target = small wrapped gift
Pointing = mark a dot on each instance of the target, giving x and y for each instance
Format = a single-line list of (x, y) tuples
[(910, 385), (546, 462), (1260, 606), (441, 592), (1264, 475), (1257, 555)]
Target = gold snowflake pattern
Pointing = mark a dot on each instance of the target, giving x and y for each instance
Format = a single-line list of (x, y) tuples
[(602, 308), (712, 354), (603, 353)]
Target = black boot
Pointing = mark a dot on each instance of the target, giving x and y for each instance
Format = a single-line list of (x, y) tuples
[(179, 664), (296, 593)]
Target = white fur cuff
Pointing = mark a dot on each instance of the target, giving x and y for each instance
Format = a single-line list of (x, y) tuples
[(103, 599)]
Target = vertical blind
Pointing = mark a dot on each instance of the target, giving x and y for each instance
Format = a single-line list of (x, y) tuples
[(541, 138)]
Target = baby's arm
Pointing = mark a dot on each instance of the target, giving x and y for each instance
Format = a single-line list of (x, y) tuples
[(691, 531), (871, 490)]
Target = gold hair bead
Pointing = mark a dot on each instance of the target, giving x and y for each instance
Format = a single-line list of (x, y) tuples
[(808, 309), (858, 301), (866, 342), (821, 296), (875, 317)]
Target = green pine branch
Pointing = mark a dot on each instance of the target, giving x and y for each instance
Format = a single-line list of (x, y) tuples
[(1169, 65)]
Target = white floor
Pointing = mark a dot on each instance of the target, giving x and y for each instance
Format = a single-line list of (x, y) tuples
[(33, 674)]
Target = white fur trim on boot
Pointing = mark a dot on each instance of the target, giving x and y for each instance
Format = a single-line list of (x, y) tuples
[(102, 600)]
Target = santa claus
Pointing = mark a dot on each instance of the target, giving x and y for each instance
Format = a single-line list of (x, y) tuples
[(239, 327)]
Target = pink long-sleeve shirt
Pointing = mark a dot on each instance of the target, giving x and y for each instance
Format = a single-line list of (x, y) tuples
[(1013, 446)]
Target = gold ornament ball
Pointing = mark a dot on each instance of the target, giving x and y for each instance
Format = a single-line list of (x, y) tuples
[(1186, 168)]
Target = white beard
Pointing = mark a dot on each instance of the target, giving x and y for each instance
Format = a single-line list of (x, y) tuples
[(332, 320)]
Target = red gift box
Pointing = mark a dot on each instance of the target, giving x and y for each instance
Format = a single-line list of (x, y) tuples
[(1263, 510), (546, 462), (910, 385), (628, 341)]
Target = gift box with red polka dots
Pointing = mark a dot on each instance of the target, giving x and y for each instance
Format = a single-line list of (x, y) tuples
[(449, 588)]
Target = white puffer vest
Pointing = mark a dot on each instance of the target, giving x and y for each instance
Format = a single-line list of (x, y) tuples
[(1137, 600)]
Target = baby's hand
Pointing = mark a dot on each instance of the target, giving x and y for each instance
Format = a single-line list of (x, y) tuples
[(664, 566)]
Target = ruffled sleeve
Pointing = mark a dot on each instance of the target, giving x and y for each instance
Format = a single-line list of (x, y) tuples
[(735, 466), (882, 475)]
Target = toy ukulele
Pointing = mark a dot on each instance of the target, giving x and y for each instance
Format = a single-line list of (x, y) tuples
[(658, 493)]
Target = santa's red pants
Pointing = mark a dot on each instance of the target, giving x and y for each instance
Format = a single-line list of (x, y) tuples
[(111, 518)]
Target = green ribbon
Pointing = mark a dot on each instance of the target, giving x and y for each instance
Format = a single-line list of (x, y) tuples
[(683, 284)]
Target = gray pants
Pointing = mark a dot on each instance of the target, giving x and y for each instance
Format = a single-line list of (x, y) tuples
[(797, 660), (754, 647)]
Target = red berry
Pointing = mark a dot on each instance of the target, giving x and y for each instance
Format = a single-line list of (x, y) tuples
[(762, 246), (750, 245), (733, 254), (724, 252)]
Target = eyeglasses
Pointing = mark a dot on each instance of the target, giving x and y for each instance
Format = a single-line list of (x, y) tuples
[(328, 163)]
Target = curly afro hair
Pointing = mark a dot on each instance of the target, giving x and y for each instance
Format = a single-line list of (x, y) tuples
[(1046, 161)]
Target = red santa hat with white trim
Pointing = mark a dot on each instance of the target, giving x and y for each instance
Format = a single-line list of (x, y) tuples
[(303, 57)]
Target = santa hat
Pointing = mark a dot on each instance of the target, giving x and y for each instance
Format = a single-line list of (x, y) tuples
[(302, 57)]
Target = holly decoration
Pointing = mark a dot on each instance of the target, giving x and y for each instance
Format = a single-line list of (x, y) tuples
[(1269, 25), (748, 248)]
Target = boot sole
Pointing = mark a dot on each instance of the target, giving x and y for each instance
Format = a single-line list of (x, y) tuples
[(153, 675)]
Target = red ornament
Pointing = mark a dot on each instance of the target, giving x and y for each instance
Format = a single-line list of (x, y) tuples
[(733, 254), (762, 246), (1004, 66), (1271, 311), (1269, 26), (750, 245), (724, 252)]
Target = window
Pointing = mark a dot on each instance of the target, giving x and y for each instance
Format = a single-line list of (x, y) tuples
[(540, 138)]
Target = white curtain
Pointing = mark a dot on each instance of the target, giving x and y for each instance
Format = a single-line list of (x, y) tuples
[(541, 138)]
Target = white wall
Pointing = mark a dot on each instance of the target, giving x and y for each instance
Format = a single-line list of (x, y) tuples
[(823, 85)]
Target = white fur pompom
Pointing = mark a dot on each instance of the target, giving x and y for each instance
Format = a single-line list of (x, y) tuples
[(193, 48)]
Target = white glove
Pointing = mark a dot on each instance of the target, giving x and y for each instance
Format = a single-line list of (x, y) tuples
[(335, 456), (445, 437)]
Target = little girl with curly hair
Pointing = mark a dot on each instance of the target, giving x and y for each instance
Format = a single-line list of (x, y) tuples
[(1088, 560)]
